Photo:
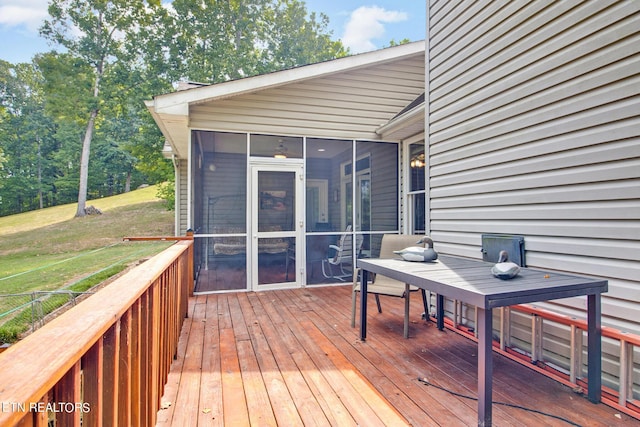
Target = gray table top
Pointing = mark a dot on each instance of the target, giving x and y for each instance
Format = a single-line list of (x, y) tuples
[(471, 281)]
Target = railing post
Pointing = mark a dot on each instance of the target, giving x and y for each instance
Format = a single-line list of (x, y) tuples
[(475, 322), (190, 264), (67, 392), (505, 328), (33, 312), (456, 313), (626, 372), (155, 338), (110, 375), (575, 368), (146, 415), (536, 338), (93, 384), (124, 370), (136, 365)]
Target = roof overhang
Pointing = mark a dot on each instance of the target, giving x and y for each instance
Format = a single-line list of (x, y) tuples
[(171, 111), (405, 125)]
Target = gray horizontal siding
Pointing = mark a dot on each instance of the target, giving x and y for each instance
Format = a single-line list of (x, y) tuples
[(348, 105), (534, 129), (182, 195)]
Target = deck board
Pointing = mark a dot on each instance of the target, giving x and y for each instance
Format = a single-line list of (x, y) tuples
[(285, 410), (290, 358), (211, 409)]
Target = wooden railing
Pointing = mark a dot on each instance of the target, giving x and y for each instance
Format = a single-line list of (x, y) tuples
[(105, 361), (621, 399)]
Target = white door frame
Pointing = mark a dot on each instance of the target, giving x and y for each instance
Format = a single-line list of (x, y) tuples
[(297, 274)]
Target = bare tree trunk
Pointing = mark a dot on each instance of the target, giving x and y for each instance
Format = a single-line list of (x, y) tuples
[(127, 187), (84, 165), (86, 143), (40, 174)]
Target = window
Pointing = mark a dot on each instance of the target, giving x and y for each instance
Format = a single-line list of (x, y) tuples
[(274, 146), (363, 194), (416, 207), (317, 207)]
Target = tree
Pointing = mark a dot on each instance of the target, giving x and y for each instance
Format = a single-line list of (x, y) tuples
[(393, 42), (216, 41), (65, 111), (292, 38), (26, 140), (127, 126), (95, 31)]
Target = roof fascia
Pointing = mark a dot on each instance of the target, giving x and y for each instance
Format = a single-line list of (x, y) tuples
[(410, 116), (156, 117), (151, 107)]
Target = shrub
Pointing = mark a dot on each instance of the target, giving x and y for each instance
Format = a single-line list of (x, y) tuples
[(167, 192), (11, 333)]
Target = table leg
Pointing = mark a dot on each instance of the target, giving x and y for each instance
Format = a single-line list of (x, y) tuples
[(407, 296), (440, 312), (485, 366), (363, 304), (594, 339)]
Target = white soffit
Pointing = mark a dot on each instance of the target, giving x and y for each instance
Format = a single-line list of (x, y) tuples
[(177, 103), (171, 111), (404, 126)]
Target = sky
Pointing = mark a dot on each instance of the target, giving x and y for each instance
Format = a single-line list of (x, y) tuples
[(362, 25)]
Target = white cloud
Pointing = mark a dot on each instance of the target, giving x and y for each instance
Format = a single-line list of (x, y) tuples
[(367, 23), (27, 13), (167, 4)]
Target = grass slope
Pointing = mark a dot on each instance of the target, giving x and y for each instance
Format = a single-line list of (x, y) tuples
[(50, 250), (39, 218)]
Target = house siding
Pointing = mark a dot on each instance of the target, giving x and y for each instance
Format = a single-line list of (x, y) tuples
[(533, 123), (351, 104), (182, 192)]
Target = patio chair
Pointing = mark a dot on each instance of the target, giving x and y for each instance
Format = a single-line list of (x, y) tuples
[(339, 262), (382, 285)]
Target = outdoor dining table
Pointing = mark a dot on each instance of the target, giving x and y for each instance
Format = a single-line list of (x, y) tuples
[(471, 282)]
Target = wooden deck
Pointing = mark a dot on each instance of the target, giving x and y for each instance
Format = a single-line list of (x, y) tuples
[(290, 358)]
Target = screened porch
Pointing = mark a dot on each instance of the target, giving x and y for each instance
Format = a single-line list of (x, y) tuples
[(274, 211)]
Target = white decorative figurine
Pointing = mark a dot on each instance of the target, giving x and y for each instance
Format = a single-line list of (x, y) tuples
[(505, 269), (419, 253)]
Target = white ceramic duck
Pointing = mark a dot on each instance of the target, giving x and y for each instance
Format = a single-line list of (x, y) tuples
[(419, 253), (505, 269)]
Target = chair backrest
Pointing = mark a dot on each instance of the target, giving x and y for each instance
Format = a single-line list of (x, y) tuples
[(492, 244), (344, 254), (396, 242), (344, 236), (343, 246)]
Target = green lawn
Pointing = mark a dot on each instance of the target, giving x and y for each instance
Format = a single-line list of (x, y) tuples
[(40, 218), (49, 249)]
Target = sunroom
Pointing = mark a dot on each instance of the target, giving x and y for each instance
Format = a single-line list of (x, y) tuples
[(285, 178)]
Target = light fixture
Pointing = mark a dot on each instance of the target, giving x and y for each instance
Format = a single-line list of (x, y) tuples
[(281, 151), (417, 161)]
